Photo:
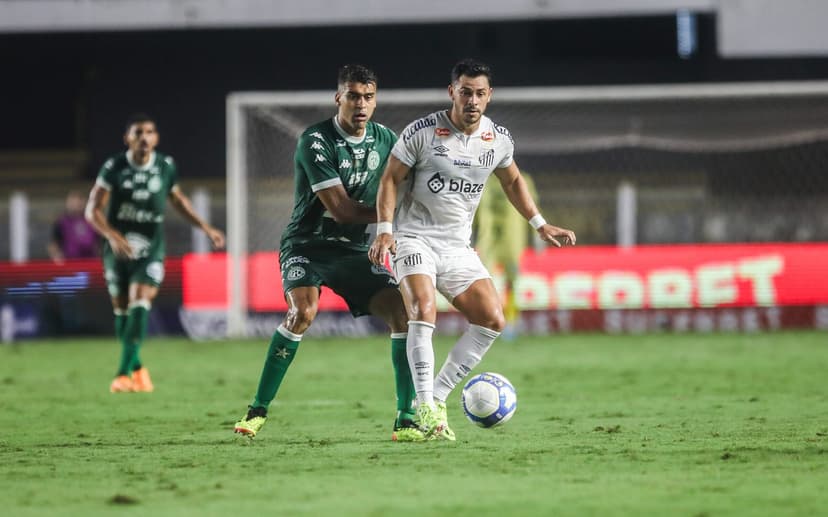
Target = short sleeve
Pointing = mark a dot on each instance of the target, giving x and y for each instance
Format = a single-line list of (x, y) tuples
[(507, 144), (172, 171), (412, 140), (315, 157), (106, 176)]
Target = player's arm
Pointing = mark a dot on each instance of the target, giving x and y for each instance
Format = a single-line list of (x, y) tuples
[(94, 214), (343, 208), (521, 198), (395, 172), (183, 206)]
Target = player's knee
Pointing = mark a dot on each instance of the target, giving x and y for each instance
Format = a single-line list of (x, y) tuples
[(398, 320), (492, 320), (422, 310), (298, 319), (498, 322)]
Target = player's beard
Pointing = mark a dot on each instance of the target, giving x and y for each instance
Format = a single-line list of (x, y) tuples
[(471, 117)]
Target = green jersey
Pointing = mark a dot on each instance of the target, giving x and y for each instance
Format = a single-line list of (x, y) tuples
[(138, 198), (327, 156)]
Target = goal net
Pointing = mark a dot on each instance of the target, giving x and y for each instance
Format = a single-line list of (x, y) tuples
[(736, 162)]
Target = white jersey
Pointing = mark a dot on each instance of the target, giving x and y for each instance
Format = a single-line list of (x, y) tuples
[(448, 172)]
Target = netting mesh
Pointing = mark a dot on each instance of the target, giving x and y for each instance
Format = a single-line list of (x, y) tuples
[(735, 168)]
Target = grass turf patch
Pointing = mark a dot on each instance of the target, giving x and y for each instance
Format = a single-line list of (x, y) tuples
[(718, 424)]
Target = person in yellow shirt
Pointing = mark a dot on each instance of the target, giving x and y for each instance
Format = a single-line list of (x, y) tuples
[(502, 235)]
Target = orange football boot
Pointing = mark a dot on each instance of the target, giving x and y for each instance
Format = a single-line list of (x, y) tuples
[(141, 380), (121, 384)]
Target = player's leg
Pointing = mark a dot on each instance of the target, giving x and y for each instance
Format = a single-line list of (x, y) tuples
[(509, 251), (421, 305), (511, 311), (117, 281), (415, 266), (481, 306), (369, 289), (388, 305), (141, 296), (301, 283), (145, 278), (122, 382), (303, 303), (469, 286)]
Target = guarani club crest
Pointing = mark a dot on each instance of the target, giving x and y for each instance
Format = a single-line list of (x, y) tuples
[(373, 160), (292, 269), (295, 273)]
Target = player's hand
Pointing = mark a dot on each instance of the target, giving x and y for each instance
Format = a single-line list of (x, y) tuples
[(382, 245), (216, 236), (556, 236), (120, 246)]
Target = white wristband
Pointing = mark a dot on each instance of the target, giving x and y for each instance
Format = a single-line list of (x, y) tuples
[(385, 227), (537, 221)]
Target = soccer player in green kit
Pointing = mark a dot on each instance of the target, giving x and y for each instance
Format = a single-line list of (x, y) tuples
[(126, 206), (337, 166)]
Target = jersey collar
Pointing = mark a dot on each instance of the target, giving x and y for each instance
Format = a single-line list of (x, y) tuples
[(137, 167), (482, 127), (350, 139)]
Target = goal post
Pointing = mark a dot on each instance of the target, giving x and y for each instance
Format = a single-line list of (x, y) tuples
[(621, 165)]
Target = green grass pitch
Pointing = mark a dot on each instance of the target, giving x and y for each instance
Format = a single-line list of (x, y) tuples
[(692, 425)]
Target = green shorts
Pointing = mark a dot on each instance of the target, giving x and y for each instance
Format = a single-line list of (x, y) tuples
[(346, 272), (119, 274)]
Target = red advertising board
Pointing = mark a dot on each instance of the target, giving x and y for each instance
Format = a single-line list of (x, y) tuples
[(589, 278)]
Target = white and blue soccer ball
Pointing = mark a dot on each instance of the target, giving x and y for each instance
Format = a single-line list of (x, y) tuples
[(489, 399)]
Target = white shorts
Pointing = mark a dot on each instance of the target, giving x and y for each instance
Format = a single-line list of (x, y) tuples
[(452, 271)]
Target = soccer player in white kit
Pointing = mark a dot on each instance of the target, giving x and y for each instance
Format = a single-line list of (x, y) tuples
[(439, 167)]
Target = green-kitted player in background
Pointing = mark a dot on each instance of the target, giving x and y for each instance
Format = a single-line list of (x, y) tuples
[(126, 206), (337, 166), (501, 237)]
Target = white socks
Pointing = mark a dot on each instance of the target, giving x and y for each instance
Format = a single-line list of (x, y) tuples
[(465, 355), (420, 353)]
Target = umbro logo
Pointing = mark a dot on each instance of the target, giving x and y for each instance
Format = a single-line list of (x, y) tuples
[(441, 150)]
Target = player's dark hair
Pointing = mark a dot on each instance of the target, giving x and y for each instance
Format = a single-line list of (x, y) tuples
[(470, 68), (138, 118), (355, 74)]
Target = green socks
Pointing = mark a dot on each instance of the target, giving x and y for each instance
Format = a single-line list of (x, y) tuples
[(402, 375), (132, 336), (120, 323), (283, 347), (280, 354)]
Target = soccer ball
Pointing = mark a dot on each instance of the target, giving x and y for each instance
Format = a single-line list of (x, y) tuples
[(489, 399)]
